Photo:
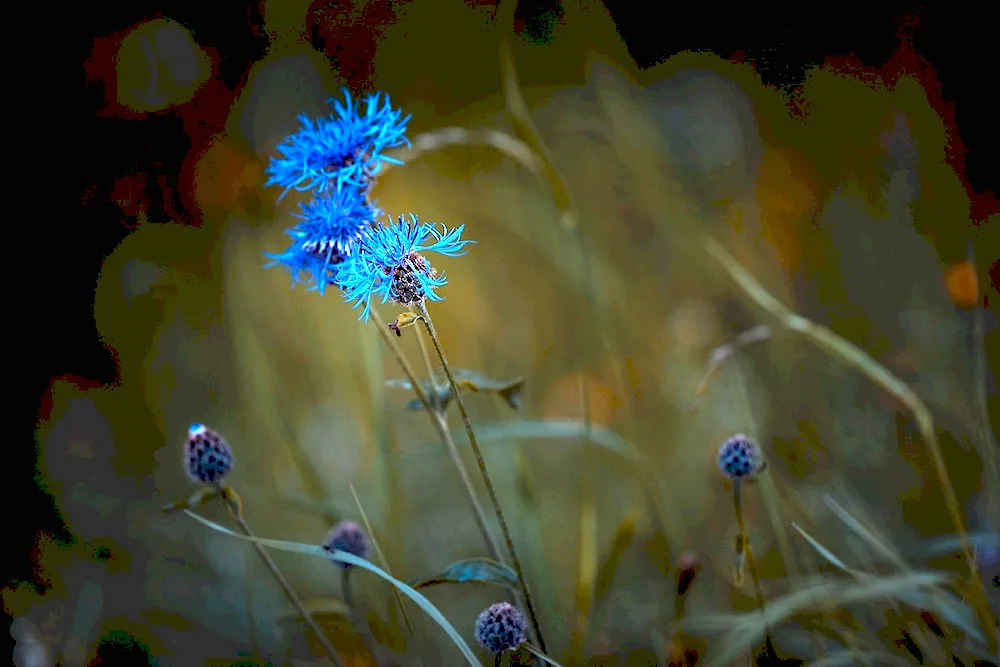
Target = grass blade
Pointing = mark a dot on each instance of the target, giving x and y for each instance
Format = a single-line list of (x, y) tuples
[(342, 557), (541, 656), (620, 543), (851, 657), (381, 555), (745, 630), (823, 551)]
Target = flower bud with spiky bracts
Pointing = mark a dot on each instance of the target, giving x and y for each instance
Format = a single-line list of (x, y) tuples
[(501, 627), (350, 537), (207, 456), (740, 457)]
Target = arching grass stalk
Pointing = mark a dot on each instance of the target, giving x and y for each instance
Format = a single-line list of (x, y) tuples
[(487, 480), (235, 510), (854, 356)]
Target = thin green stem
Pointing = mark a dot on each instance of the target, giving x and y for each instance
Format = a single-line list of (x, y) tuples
[(290, 593), (442, 429), (345, 587), (428, 365), (487, 480)]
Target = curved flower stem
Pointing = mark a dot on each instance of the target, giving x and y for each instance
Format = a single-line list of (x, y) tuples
[(290, 593), (487, 480)]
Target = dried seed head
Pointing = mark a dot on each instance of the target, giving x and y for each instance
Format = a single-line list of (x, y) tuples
[(407, 288), (501, 627), (740, 457), (350, 537), (207, 457)]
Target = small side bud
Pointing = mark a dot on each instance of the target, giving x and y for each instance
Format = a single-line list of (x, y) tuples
[(402, 321)]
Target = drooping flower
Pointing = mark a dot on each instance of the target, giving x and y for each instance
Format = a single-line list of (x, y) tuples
[(344, 148), (501, 627), (390, 263), (329, 230), (207, 457)]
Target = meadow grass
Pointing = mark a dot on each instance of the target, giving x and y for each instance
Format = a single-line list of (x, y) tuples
[(577, 400)]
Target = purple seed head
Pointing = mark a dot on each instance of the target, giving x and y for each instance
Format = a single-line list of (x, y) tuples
[(350, 537), (501, 627), (740, 457), (207, 457)]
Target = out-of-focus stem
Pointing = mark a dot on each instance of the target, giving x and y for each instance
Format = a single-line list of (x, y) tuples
[(290, 593), (487, 480)]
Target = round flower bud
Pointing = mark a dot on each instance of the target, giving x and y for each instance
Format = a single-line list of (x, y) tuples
[(350, 537), (740, 457), (207, 457), (501, 627)]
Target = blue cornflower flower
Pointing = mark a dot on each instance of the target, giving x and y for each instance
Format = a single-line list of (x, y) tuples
[(331, 227), (344, 148), (389, 262)]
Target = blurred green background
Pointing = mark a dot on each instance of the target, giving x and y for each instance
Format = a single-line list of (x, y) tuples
[(822, 207)]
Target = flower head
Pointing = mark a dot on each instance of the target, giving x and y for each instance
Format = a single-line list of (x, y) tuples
[(390, 263), (207, 457), (740, 457), (344, 148), (501, 627), (327, 234), (350, 537)]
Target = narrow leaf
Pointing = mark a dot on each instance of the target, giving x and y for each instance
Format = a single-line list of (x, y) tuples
[(619, 545), (472, 570), (823, 551), (350, 559), (538, 654)]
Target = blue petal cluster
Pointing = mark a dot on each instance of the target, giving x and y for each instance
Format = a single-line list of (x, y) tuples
[(343, 149), (390, 263), (330, 228), (337, 240)]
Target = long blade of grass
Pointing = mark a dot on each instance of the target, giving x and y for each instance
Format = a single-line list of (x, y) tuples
[(554, 429), (531, 429), (620, 543), (823, 551), (850, 657), (350, 559), (934, 597), (381, 556), (852, 355), (868, 536), (745, 630), (541, 656)]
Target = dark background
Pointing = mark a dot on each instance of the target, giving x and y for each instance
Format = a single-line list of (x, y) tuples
[(98, 149)]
